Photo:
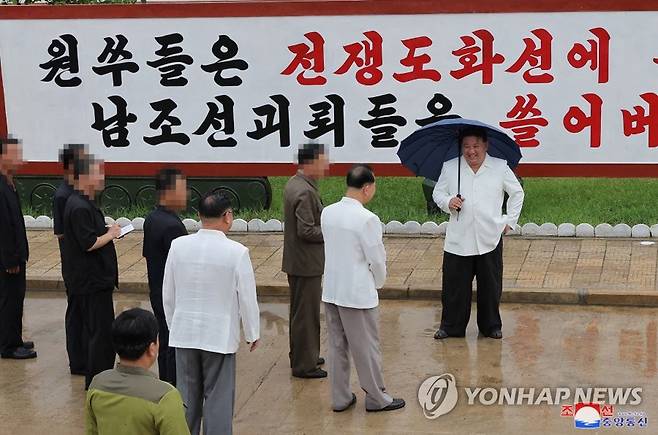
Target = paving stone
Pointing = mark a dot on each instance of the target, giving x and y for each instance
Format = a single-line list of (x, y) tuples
[(192, 225), (621, 230), (239, 225), (584, 230), (530, 229), (429, 228), (43, 222), (255, 225), (138, 223), (272, 225), (566, 230), (411, 227), (547, 229), (641, 231), (394, 227), (603, 230)]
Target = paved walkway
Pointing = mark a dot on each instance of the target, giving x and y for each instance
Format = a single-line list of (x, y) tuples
[(545, 346), (566, 271)]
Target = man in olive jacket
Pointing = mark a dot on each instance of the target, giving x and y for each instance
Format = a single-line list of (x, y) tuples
[(303, 260)]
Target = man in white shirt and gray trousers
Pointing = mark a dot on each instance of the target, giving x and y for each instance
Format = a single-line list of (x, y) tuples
[(473, 246), (354, 268), (209, 286)]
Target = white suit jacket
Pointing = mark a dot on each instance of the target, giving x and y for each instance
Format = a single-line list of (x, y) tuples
[(354, 255), (478, 227), (208, 287)]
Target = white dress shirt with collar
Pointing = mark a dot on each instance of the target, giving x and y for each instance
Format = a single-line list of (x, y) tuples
[(478, 227), (355, 258), (208, 287)]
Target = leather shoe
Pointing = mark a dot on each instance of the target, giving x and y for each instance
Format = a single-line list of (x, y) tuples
[(28, 345), (315, 374), (496, 334), (320, 361), (440, 334), (349, 405), (395, 404), (19, 353)]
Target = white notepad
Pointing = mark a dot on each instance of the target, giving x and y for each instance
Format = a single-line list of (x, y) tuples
[(125, 230)]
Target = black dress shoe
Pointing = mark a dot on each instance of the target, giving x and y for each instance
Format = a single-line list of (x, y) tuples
[(320, 361), (496, 334), (28, 345), (19, 353), (349, 405), (440, 334), (395, 404), (315, 374)]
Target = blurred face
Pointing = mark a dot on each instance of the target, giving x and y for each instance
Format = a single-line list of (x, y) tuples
[(318, 168), (12, 158), (95, 180), (474, 150), (176, 198)]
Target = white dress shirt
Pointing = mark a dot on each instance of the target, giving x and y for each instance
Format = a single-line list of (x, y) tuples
[(208, 287), (478, 227), (354, 255)]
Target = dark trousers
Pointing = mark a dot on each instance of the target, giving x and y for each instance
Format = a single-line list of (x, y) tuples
[(76, 340), (305, 298), (97, 316), (458, 274), (12, 297), (166, 354)]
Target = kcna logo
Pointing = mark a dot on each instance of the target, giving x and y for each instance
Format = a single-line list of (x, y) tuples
[(437, 395)]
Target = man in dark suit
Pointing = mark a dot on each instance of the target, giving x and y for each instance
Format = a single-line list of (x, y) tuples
[(303, 260), (13, 256), (75, 342), (161, 227), (91, 268)]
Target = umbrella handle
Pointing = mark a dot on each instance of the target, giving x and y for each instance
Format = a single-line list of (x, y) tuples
[(459, 195)]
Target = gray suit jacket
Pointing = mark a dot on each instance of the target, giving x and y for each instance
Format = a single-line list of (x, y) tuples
[(303, 245)]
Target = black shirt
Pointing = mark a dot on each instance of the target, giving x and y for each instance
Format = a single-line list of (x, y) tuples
[(59, 203), (86, 271), (161, 227), (13, 238)]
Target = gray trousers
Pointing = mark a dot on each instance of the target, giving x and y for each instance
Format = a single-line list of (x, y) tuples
[(355, 331), (206, 381)]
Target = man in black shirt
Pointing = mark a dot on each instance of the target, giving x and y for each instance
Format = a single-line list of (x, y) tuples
[(13, 257), (75, 343), (91, 270), (161, 227)]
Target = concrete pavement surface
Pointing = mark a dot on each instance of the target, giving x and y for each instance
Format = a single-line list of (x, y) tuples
[(544, 346), (537, 270)]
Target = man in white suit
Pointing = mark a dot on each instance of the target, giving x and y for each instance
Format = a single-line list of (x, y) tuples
[(209, 286), (474, 246), (354, 268)]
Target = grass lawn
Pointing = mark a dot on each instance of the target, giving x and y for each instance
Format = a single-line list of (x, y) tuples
[(557, 200)]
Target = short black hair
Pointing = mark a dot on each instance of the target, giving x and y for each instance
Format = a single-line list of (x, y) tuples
[(309, 152), (472, 131), (166, 179), (359, 176), (81, 166), (133, 332), (214, 205), (7, 140), (69, 153)]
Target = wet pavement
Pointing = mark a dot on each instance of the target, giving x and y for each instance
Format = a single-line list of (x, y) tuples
[(544, 346)]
